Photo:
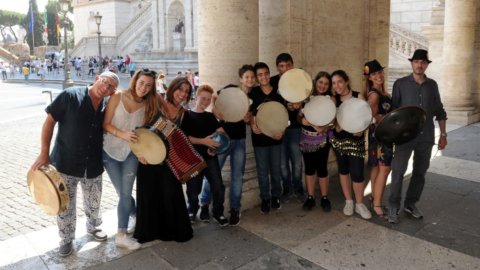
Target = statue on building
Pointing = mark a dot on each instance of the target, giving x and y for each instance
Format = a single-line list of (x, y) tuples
[(179, 27), (145, 43)]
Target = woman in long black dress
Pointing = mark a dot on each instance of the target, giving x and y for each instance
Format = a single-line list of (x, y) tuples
[(161, 208)]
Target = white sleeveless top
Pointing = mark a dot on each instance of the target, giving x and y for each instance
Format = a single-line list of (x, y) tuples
[(115, 147)]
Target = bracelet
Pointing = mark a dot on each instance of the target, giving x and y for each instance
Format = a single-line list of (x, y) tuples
[(443, 134), (115, 132)]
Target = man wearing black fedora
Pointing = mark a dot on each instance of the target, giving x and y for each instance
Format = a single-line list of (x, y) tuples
[(415, 89)]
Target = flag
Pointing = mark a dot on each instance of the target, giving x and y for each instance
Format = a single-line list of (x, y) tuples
[(58, 24), (32, 22), (45, 16)]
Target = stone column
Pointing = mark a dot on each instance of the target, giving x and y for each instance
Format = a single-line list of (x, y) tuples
[(274, 31), (188, 25), (228, 39), (458, 54)]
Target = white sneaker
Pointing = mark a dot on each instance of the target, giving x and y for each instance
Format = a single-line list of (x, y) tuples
[(125, 241), (363, 211), (131, 224), (348, 209)]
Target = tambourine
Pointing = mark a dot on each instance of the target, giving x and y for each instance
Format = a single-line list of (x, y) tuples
[(48, 189)]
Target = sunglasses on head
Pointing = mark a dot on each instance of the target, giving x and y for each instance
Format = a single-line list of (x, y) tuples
[(149, 72)]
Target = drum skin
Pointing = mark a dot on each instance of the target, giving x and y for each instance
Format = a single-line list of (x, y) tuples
[(48, 189), (224, 141), (295, 85), (233, 103), (400, 126), (272, 118), (150, 145), (354, 115), (320, 110)]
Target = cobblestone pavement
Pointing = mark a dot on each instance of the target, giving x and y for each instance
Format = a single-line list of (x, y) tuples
[(20, 145)]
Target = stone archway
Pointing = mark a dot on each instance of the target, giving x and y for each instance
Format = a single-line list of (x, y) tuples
[(176, 26)]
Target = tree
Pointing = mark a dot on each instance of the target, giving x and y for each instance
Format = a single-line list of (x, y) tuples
[(38, 26), (52, 15), (8, 19)]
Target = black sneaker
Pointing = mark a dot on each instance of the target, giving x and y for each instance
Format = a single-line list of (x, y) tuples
[(413, 211), (205, 213), (265, 208), (325, 204), (222, 221), (65, 249), (309, 203), (234, 217), (192, 217), (276, 203)]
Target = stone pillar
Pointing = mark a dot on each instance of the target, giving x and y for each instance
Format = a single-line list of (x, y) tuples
[(161, 20), (434, 34), (274, 31), (228, 39), (458, 55), (188, 25)]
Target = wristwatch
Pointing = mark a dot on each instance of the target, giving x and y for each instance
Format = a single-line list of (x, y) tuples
[(443, 134)]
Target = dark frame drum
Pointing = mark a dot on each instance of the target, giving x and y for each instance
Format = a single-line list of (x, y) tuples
[(48, 189), (272, 118), (233, 104), (354, 115), (400, 126)]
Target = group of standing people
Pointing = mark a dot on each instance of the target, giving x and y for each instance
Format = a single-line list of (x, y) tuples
[(96, 125)]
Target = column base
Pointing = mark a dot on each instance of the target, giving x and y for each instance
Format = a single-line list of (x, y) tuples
[(463, 117)]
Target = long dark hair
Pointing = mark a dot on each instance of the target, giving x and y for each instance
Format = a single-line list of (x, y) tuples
[(344, 76), (175, 86), (322, 74)]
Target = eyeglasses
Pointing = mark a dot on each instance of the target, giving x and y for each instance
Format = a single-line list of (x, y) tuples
[(109, 86)]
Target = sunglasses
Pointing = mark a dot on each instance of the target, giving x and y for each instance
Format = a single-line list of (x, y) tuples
[(147, 71)]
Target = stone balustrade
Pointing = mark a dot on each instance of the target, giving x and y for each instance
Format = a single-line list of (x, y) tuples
[(139, 21), (405, 42)]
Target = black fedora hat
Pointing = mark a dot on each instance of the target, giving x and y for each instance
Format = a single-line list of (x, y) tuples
[(371, 67), (420, 54)]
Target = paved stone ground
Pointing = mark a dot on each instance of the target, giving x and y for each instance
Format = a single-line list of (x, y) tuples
[(447, 238)]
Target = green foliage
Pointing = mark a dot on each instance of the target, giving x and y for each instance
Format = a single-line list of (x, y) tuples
[(8, 19), (38, 26)]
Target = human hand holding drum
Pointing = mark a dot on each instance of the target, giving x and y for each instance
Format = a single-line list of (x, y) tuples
[(129, 136), (42, 159)]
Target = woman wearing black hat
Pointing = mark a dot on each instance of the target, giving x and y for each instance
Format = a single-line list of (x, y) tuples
[(379, 156)]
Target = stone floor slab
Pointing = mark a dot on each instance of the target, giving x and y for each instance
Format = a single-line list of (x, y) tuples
[(280, 259)]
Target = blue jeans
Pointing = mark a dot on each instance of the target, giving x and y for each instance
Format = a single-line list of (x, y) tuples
[(237, 154), (291, 154), (122, 174), (267, 159)]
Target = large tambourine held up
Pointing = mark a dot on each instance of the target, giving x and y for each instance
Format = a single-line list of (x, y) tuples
[(233, 103), (354, 115), (272, 118), (48, 189), (320, 111), (400, 125), (295, 85)]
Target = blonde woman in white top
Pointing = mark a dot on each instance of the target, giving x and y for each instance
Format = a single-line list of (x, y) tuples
[(126, 110)]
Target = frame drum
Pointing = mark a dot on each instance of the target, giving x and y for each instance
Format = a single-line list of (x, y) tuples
[(354, 115), (272, 118), (48, 189), (400, 125), (150, 145), (295, 85), (233, 103), (320, 110)]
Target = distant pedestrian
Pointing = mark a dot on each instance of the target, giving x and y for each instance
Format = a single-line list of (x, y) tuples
[(26, 72), (133, 66), (3, 69)]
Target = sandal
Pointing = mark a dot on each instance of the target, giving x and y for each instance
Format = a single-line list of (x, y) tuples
[(383, 215)]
